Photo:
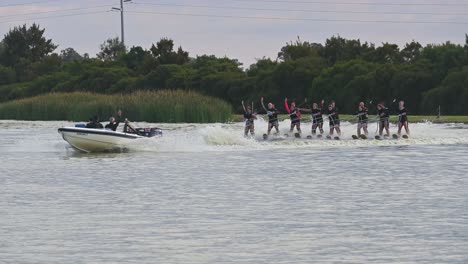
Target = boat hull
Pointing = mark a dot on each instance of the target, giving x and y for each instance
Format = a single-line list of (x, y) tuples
[(97, 140)]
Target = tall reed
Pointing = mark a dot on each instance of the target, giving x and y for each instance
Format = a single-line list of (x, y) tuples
[(159, 106)]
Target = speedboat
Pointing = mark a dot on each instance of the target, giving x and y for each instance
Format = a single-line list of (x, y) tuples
[(104, 140)]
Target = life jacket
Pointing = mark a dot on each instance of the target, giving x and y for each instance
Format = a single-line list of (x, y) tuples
[(295, 115), (317, 115), (402, 113), (249, 118), (272, 115), (362, 115)]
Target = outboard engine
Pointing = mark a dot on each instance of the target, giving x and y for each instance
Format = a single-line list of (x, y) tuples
[(149, 132)]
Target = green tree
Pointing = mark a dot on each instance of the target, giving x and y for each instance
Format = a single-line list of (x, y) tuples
[(165, 54), (338, 49), (299, 49), (25, 43), (411, 51), (139, 60), (111, 49), (388, 53), (7, 75), (451, 95), (70, 55), (261, 66)]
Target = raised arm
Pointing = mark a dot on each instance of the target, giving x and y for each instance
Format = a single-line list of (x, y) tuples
[(243, 106), (263, 105), (286, 105)]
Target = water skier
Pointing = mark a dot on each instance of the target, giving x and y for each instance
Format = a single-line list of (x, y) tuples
[(317, 118), (402, 118), (272, 113), (249, 117), (362, 115), (334, 119), (294, 114), (384, 122)]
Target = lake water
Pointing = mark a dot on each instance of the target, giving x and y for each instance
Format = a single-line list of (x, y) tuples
[(205, 194)]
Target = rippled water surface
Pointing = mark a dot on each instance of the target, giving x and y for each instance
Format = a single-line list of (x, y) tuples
[(204, 194)]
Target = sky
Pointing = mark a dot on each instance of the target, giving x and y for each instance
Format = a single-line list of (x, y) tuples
[(240, 29)]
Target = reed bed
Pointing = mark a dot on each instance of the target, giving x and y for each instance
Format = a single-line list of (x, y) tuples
[(158, 107)]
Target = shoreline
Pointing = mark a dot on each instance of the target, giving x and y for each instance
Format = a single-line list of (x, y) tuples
[(347, 118)]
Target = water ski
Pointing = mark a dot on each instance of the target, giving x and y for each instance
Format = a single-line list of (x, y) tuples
[(297, 135), (355, 137), (265, 136), (286, 135), (319, 136), (309, 137), (395, 136), (405, 136), (378, 137), (329, 137), (363, 136), (336, 138)]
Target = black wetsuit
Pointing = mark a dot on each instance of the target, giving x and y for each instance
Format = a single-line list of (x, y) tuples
[(113, 126), (384, 115), (272, 115), (317, 116), (94, 124), (362, 115), (333, 117), (402, 113), (294, 117), (249, 118)]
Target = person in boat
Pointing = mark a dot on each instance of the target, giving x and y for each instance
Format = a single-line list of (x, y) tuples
[(94, 123), (384, 122), (362, 115), (402, 118), (294, 114), (249, 118), (114, 123), (334, 119), (272, 113)]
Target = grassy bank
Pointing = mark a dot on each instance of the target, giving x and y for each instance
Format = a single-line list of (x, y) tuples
[(351, 118), (161, 106)]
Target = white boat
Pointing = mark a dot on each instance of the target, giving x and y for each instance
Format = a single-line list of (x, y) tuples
[(104, 140)]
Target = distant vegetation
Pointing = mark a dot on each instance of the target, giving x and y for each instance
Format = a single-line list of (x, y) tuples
[(345, 70), (161, 106)]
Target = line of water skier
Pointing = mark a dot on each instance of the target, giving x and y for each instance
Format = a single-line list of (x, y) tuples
[(318, 111)]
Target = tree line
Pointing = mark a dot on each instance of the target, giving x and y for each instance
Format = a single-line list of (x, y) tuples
[(345, 70)]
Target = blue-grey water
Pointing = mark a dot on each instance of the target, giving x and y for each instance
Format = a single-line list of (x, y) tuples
[(204, 194)]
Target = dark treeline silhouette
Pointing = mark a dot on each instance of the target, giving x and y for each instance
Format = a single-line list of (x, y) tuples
[(344, 70)]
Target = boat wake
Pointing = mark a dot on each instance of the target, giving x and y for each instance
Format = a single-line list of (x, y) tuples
[(229, 137), (22, 136)]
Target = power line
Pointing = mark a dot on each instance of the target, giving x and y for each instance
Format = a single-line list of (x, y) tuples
[(29, 3), (301, 10), (55, 11), (300, 19), (57, 16), (352, 3)]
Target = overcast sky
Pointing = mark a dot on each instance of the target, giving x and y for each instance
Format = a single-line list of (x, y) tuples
[(227, 27)]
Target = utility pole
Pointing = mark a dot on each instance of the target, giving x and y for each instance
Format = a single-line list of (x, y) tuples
[(122, 24)]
